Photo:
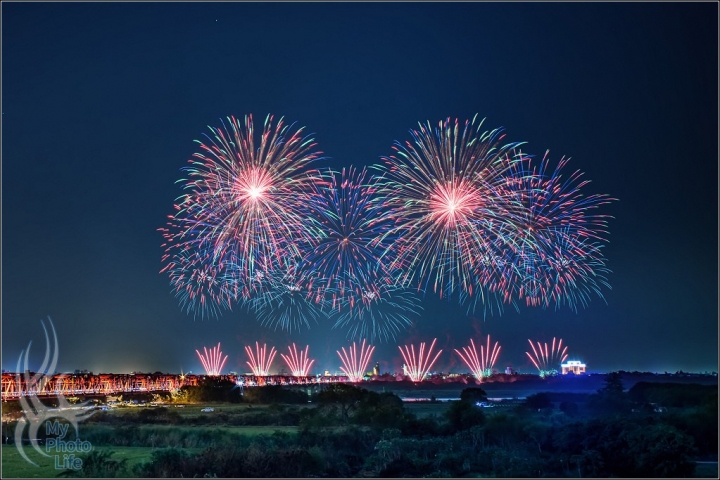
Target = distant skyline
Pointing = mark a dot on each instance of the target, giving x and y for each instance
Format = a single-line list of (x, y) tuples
[(102, 102)]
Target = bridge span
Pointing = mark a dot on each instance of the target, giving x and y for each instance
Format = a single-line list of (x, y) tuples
[(16, 385)]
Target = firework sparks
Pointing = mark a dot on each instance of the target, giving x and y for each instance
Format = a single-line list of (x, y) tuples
[(261, 360), (299, 364), (288, 301), (551, 242), (418, 365), (482, 365), (352, 226), (212, 360), (245, 200), (380, 310), (547, 359), (354, 365), (449, 181)]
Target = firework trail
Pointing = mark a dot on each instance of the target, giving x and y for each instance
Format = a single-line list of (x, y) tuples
[(260, 362), (203, 285), (482, 365), (354, 366), (552, 242), (380, 310), (244, 198), (440, 194), (454, 209), (288, 301), (419, 365), (212, 360), (353, 224), (547, 359), (299, 365)]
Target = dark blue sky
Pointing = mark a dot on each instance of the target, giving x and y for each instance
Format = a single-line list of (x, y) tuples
[(101, 104)]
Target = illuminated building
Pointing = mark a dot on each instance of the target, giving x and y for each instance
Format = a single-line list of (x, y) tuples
[(573, 366)]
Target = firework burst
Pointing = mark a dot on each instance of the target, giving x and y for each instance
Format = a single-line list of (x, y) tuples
[(212, 361), (552, 242), (380, 310), (288, 301), (440, 194), (418, 365), (246, 199), (299, 364), (203, 285), (354, 365), (482, 365), (547, 359), (352, 227), (261, 360)]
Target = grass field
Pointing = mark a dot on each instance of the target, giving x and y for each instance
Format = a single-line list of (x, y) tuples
[(14, 466)]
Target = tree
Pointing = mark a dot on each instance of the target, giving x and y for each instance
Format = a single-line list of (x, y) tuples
[(538, 401), (347, 397), (569, 408), (473, 394), (613, 384), (463, 415)]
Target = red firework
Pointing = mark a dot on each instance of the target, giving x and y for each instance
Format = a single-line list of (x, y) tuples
[(260, 361), (212, 360), (546, 359), (480, 365), (418, 366), (300, 364), (353, 365)]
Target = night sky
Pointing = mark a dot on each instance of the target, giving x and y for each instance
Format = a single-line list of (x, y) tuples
[(101, 104)]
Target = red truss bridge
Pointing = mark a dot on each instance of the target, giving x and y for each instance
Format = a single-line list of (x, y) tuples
[(15, 385)]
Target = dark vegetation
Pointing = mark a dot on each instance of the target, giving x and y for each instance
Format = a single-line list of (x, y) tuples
[(652, 430)]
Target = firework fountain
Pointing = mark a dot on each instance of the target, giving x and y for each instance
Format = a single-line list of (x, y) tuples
[(299, 365), (354, 365), (481, 366), (419, 365), (212, 360), (546, 359), (261, 360)]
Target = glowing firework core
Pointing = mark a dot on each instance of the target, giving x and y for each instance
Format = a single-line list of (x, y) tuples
[(419, 365), (212, 361)]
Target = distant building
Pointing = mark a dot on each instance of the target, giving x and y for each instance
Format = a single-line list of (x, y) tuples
[(573, 366), (509, 371), (376, 370)]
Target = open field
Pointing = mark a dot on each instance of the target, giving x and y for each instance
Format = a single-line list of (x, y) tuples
[(14, 466)]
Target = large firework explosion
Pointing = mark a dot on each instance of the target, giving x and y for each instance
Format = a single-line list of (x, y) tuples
[(418, 365), (244, 199), (441, 193), (455, 211), (549, 248), (353, 227)]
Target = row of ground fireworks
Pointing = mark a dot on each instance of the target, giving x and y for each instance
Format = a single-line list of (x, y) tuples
[(455, 211), (418, 361)]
